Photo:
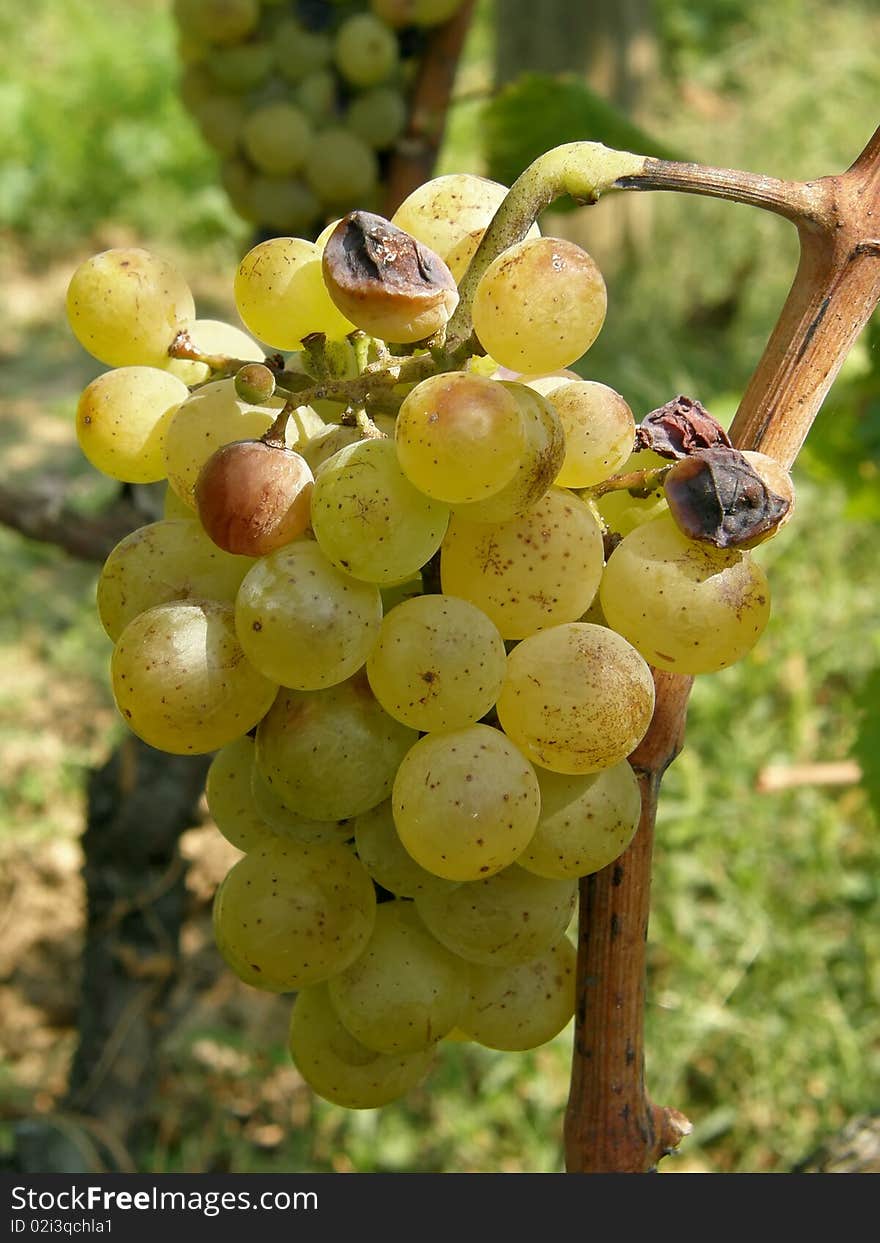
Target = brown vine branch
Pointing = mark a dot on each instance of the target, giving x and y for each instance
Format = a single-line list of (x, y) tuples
[(41, 515), (412, 162), (611, 1124)]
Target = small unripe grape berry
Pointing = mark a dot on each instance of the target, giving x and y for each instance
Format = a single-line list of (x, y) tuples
[(253, 497), (254, 384)]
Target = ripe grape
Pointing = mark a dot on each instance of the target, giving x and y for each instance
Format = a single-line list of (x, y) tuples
[(599, 432), (288, 915), (365, 50), (277, 138), (253, 497), (511, 917), (405, 991), (539, 305), (442, 211), (285, 822), (415, 12), (341, 168), (577, 698), (621, 510), (217, 21), (331, 753), (181, 680), (229, 797), (460, 437), (240, 69), (340, 1068), (213, 336), (687, 606), (377, 116), (587, 821), (369, 519), (126, 306), (164, 561), (525, 1005), (299, 51), (530, 573), (280, 294), (302, 622), (438, 663), (466, 802), (122, 418), (282, 202)]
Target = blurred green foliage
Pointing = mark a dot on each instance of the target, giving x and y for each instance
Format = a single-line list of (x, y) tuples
[(763, 1022)]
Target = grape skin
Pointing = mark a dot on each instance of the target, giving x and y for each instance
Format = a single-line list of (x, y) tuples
[(213, 336), (442, 211), (229, 797), (599, 432), (522, 1006), (122, 418), (385, 857), (280, 294)]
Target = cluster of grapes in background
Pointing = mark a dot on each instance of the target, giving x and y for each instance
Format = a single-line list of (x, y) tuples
[(409, 590), (302, 99)]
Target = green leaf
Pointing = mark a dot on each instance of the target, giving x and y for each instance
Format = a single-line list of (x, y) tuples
[(539, 111), (867, 744)]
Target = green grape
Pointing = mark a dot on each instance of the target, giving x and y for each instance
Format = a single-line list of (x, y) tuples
[(299, 51), (533, 572), (211, 417), (460, 437), (324, 236), (466, 802), (687, 606), (622, 511), (164, 561), (302, 622), (316, 95), (277, 138), (122, 418), (399, 13), (217, 21), (240, 69), (341, 168), (405, 991), (331, 753), (587, 821), (280, 294), (378, 116), (369, 519), (220, 119), (508, 918), (383, 854), (288, 914), (126, 306), (214, 336), (539, 305), (285, 822), (523, 1006), (229, 798), (599, 432), (547, 384), (181, 680), (283, 203), (365, 50), (577, 698), (341, 1069), (437, 664), (236, 177), (442, 211), (538, 465)]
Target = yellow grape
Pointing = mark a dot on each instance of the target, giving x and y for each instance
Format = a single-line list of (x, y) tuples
[(181, 680), (405, 991), (522, 1006), (384, 856), (587, 821), (530, 573), (465, 802), (687, 606), (288, 914), (438, 663), (444, 210), (284, 821), (365, 50), (213, 336), (277, 138), (281, 296), (539, 305), (622, 511), (577, 698), (126, 306), (340, 1068), (229, 797), (599, 432), (122, 419)]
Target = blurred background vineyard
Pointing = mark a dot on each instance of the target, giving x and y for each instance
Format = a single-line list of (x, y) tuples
[(764, 964)]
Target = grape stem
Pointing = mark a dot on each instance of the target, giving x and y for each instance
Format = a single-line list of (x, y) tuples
[(636, 482), (611, 1124)]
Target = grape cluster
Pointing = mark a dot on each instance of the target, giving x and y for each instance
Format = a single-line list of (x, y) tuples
[(382, 594), (302, 99)]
